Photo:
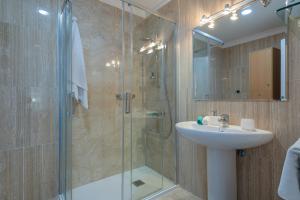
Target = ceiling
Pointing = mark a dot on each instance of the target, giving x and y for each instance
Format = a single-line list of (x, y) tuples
[(149, 4), (152, 4)]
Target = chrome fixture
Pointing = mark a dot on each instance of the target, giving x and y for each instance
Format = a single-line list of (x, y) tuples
[(127, 97), (211, 25), (227, 9), (151, 46), (214, 112), (265, 3), (224, 120), (234, 16), (233, 9), (153, 76)]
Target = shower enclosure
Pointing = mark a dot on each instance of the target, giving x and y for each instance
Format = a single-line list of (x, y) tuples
[(124, 145)]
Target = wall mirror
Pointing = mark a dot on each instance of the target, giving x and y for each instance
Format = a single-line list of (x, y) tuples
[(241, 55)]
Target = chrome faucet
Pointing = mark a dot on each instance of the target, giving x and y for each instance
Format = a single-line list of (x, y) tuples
[(224, 120), (214, 112)]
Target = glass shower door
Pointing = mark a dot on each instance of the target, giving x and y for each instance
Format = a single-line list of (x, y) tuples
[(65, 98), (149, 105)]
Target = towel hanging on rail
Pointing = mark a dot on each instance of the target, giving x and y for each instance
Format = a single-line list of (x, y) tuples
[(79, 81)]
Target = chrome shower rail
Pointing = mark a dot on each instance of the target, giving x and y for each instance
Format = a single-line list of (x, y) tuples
[(135, 4)]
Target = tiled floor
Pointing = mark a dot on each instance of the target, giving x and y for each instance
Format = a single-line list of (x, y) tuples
[(178, 194)]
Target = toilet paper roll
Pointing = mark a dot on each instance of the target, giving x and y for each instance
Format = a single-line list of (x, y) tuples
[(248, 124)]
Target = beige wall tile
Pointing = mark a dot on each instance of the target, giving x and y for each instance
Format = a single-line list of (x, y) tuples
[(258, 172)]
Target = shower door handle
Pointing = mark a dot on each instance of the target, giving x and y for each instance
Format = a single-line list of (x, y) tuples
[(128, 98), (128, 101)]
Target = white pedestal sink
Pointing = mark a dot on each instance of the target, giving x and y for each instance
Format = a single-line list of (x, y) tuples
[(221, 144)]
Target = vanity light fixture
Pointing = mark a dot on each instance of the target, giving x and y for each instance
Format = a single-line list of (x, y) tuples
[(228, 8), (234, 16), (211, 25)]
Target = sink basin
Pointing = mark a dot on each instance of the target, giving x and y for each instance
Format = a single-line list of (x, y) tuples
[(232, 137), (221, 144)]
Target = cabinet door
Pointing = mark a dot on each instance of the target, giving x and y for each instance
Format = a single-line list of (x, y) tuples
[(261, 74)]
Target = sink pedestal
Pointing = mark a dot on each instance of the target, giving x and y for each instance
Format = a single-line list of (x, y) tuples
[(221, 173)]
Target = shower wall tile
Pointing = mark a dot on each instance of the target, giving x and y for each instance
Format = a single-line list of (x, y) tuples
[(11, 171), (32, 172), (96, 143), (28, 123), (40, 174)]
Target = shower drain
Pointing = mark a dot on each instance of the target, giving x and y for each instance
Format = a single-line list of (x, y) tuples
[(138, 183)]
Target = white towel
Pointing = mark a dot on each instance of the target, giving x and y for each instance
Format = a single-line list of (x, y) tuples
[(79, 81), (211, 120), (289, 187)]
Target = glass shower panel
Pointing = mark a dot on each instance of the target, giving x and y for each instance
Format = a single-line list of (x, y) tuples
[(65, 98), (97, 131), (150, 82), (123, 145)]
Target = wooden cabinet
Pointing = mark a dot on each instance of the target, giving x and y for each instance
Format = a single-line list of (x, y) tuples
[(264, 74)]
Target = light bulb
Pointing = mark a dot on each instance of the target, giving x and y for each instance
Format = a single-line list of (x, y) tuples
[(150, 51), (246, 12), (142, 49), (107, 64), (152, 44), (204, 20), (211, 25), (227, 9), (234, 16), (43, 12), (160, 46)]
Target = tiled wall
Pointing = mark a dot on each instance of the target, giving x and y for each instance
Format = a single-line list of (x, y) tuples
[(97, 137), (159, 133), (96, 143), (28, 122), (258, 172)]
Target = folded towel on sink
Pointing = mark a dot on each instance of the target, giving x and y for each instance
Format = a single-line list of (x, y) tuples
[(289, 187), (211, 120)]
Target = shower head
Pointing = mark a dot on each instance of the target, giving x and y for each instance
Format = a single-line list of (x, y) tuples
[(146, 39)]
